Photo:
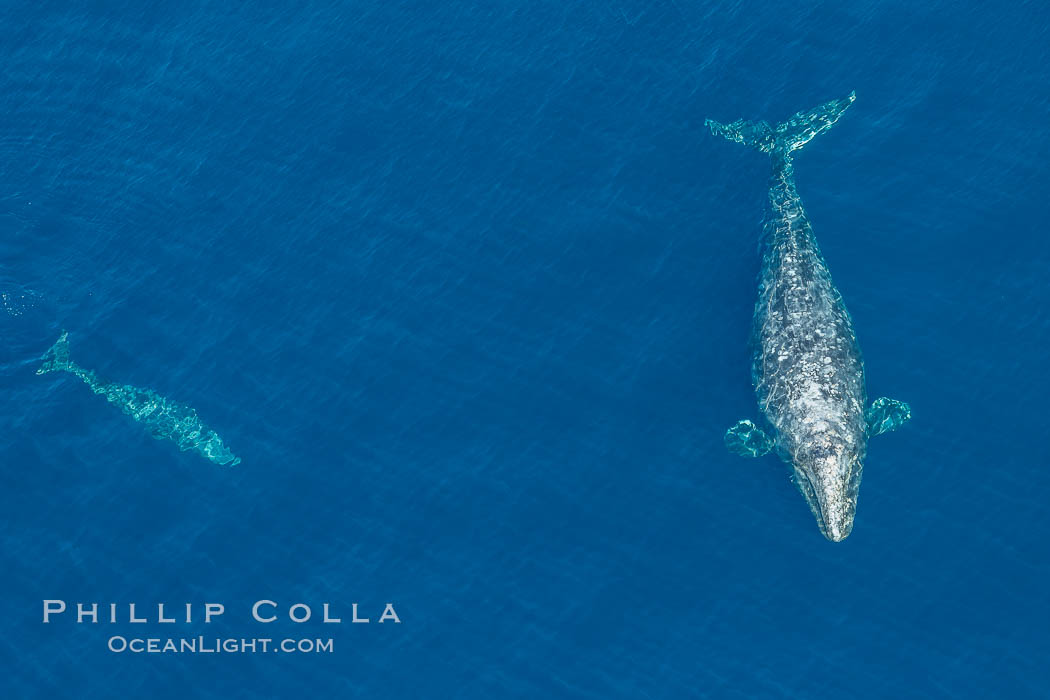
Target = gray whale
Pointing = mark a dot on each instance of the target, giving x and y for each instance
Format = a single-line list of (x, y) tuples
[(163, 419), (806, 365)]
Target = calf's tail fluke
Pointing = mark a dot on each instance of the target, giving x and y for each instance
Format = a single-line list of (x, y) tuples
[(787, 136), (57, 358)]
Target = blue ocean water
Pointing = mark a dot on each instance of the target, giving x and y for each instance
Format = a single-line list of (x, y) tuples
[(468, 288)]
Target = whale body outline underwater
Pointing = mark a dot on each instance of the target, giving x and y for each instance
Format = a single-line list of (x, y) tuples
[(806, 362), (163, 419)]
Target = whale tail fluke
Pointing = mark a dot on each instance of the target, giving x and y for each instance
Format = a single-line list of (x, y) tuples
[(57, 358), (787, 136)]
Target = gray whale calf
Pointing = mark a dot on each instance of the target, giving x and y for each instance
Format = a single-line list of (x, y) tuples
[(163, 419), (806, 364)]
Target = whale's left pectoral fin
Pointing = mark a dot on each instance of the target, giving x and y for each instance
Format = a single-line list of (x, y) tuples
[(747, 440), (885, 415)]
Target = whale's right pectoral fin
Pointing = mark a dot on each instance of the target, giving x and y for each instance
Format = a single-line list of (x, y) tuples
[(747, 440), (885, 415)]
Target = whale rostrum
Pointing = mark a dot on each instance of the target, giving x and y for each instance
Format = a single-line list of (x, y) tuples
[(162, 418), (806, 363)]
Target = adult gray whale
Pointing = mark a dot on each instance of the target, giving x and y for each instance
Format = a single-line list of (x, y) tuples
[(162, 418), (806, 365)]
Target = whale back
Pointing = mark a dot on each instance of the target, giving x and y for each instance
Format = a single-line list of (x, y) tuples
[(807, 366)]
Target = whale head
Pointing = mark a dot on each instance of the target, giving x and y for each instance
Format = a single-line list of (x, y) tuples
[(828, 470)]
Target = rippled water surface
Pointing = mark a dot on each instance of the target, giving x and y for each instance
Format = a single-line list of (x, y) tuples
[(468, 288)]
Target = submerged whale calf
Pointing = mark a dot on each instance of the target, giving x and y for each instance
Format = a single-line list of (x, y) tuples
[(806, 366), (163, 419)]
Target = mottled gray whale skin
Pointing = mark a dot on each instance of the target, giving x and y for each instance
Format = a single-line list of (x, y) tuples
[(806, 366), (163, 419)]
